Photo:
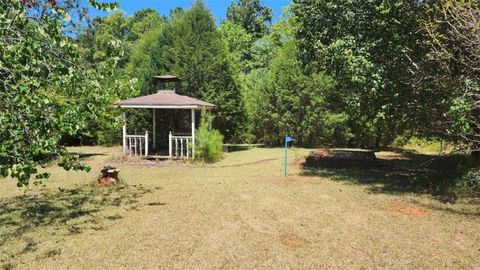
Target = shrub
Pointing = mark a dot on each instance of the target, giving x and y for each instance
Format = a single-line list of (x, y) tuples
[(209, 142), (456, 174), (469, 183)]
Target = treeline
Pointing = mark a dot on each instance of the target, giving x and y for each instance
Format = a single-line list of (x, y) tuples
[(329, 73)]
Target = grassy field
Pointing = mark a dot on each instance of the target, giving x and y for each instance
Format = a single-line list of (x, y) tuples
[(239, 213)]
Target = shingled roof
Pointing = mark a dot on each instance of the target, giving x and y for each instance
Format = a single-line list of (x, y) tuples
[(165, 99)]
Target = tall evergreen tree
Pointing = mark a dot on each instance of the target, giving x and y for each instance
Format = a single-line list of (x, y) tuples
[(191, 47), (282, 99), (251, 15), (199, 55)]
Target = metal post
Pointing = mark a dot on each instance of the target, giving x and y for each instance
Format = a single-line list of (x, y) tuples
[(193, 133), (124, 133), (286, 155)]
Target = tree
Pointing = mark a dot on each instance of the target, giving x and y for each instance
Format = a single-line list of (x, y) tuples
[(239, 44), (42, 80), (282, 99), (147, 59), (191, 47), (449, 74), (403, 68), (250, 15), (367, 46), (112, 37), (114, 27), (97, 37), (143, 21)]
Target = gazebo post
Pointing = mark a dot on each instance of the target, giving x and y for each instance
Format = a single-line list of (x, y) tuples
[(146, 144), (170, 145), (193, 133), (124, 116), (154, 131)]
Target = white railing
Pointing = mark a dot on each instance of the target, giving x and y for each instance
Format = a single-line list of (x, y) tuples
[(136, 145), (180, 146)]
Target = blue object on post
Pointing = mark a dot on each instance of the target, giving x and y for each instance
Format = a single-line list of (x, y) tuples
[(287, 140)]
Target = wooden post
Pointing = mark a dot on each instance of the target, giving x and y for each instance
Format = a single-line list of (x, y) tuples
[(146, 143), (154, 131), (193, 133), (170, 145), (124, 132)]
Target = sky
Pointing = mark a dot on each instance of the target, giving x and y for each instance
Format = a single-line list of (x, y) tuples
[(218, 7)]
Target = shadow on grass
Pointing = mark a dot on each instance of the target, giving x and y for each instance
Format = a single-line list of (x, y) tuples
[(408, 173), (378, 181), (87, 155), (230, 148), (26, 220)]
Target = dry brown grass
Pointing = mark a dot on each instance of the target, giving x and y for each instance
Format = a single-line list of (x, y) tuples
[(239, 213)]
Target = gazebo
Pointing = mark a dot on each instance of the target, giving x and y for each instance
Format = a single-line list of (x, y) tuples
[(180, 144)]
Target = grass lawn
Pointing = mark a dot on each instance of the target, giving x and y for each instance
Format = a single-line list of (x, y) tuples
[(237, 213)]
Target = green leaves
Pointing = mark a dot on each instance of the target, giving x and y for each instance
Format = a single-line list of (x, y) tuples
[(250, 15), (288, 101), (72, 162), (104, 6), (363, 44), (448, 73), (46, 93), (4, 171), (209, 143), (190, 46)]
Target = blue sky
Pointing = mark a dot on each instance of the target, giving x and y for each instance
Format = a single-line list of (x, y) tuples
[(218, 7)]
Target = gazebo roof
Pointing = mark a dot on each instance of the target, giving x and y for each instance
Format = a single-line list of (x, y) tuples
[(165, 99)]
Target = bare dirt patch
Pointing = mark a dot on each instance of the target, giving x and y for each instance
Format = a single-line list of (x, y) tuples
[(293, 240), (409, 210)]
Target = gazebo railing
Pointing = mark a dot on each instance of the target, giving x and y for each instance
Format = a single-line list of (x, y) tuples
[(136, 145), (180, 146)]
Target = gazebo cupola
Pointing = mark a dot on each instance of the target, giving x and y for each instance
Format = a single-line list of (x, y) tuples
[(165, 82), (163, 99)]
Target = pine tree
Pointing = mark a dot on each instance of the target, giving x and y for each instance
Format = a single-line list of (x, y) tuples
[(200, 57)]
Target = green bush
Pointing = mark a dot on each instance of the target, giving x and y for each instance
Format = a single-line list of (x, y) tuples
[(457, 174), (209, 142), (469, 183)]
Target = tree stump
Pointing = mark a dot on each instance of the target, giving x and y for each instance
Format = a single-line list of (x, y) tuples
[(108, 175)]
